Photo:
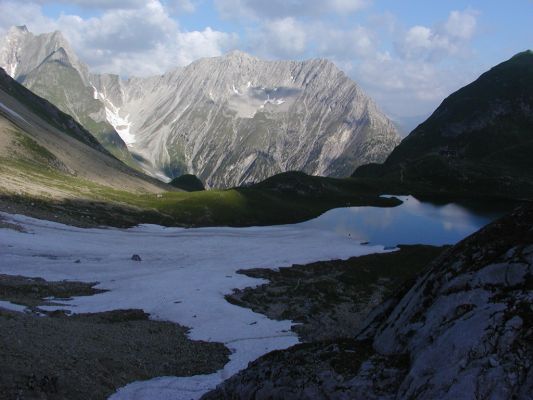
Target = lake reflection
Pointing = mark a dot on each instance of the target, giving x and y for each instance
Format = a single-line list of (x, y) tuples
[(413, 222)]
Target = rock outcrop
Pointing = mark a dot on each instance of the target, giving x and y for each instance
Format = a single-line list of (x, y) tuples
[(464, 330)]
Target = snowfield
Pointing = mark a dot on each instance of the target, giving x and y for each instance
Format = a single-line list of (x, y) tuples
[(183, 276)]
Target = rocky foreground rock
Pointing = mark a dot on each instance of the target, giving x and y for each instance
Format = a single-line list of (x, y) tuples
[(464, 330)]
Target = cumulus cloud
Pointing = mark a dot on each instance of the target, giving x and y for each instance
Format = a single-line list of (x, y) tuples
[(293, 38), (425, 65), (275, 9), (445, 39), (408, 70), (284, 37), (98, 4), (128, 41), (15, 13), (461, 24), (181, 6), (348, 44)]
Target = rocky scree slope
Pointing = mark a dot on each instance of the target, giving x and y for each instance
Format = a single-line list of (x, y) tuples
[(44, 151), (463, 330), (479, 139), (229, 120), (47, 65)]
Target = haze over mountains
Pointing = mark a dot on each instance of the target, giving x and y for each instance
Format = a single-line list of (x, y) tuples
[(229, 120)]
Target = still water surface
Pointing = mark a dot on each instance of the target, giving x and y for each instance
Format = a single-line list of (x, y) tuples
[(413, 222)]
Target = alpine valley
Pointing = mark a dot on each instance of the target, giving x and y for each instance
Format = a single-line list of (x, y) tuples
[(248, 229)]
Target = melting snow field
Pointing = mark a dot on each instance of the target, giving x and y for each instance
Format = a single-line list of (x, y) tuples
[(183, 276)]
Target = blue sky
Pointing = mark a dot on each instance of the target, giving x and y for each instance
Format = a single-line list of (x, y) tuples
[(407, 54)]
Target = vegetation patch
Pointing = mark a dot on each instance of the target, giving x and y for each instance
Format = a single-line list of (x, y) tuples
[(330, 299)]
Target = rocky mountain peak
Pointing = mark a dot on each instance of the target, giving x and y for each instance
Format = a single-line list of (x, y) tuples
[(239, 55), (228, 120), (60, 55), (20, 29), (21, 52)]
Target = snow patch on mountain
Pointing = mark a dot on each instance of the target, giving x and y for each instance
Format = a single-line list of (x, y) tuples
[(121, 124)]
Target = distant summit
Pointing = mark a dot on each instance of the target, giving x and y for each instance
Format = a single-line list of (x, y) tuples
[(21, 28), (48, 66), (229, 120)]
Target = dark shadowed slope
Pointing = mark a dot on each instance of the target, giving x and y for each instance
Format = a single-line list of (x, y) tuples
[(480, 139), (46, 152)]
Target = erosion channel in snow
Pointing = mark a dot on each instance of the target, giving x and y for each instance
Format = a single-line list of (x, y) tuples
[(183, 277)]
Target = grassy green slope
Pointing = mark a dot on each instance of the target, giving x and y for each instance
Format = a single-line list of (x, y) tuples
[(62, 85), (88, 203)]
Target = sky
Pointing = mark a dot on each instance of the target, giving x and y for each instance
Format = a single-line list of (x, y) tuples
[(408, 55)]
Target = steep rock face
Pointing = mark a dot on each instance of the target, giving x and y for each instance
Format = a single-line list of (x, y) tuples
[(47, 66), (464, 330), (236, 119), (229, 120)]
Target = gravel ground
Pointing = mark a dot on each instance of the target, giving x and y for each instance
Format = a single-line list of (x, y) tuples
[(88, 356), (330, 299)]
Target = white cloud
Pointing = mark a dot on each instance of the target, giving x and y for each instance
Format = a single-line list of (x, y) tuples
[(293, 38), (347, 6), (343, 44), (98, 4), (449, 38), (276, 9), (284, 37), (424, 66), (207, 43), (461, 24), (15, 13), (128, 41), (180, 6), (408, 70)]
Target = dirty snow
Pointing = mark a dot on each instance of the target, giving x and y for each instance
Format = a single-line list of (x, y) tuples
[(183, 276), (7, 305)]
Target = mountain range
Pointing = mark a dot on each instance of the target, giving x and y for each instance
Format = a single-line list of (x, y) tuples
[(229, 120)]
